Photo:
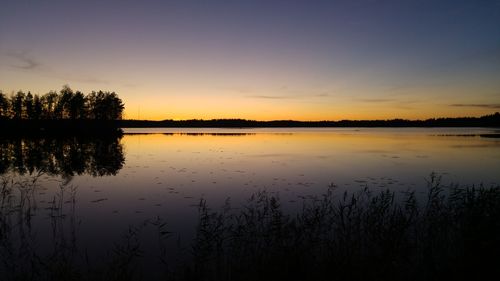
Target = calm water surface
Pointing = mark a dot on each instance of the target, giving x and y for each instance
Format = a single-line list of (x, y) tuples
[(164, 172)]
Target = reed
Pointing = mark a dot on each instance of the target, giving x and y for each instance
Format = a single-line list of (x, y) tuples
[(446, 232), (453, 232)]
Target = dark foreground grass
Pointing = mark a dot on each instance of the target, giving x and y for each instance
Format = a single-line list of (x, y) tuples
[(447, 233)]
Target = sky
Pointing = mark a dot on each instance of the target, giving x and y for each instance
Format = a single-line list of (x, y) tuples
[(261, 60)]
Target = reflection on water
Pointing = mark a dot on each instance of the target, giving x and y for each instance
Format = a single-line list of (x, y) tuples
[(196, 134), (109, 184), (172, 164), (285, 158), (65, 157)]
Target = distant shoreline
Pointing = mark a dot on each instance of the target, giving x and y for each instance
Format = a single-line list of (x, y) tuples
[(113, 127), (484, 121)]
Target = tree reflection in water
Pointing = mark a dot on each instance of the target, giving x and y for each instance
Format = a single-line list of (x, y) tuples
[(62, 156)]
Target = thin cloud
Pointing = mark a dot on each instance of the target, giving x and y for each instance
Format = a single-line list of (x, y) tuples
[(25, 61), (393, 102), (480, 105), (289, 97), (90, 80), (270, 97), (322, 95), (389, 100), (377, 100)]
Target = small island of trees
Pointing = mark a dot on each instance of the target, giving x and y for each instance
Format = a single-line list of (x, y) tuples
[(67, 104), (60, 111)]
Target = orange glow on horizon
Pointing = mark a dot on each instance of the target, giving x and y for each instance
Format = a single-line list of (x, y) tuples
[(352, 112)]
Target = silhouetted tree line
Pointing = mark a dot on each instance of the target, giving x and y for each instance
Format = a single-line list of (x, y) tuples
[(492, 120), (67, 104), (64, 157)]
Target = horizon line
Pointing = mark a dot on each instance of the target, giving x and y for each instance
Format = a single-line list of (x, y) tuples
[(292, 120)]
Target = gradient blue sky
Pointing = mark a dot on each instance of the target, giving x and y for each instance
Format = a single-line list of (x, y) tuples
[(305, 60)]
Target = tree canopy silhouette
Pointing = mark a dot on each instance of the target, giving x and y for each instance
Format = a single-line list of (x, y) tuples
[(65, 105)]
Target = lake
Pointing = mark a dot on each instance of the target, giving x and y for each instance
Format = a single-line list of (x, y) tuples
[(106, 185)]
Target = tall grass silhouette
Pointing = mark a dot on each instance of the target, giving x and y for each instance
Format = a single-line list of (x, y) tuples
[(443, 232), (452, 232)]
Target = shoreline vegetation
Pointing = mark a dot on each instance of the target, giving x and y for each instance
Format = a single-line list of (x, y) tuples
[(492, 120), (66, 112), (55, 127), (445, 232), (72, 112)]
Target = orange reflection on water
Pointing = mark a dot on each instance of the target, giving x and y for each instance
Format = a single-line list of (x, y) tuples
[(320, 155)]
